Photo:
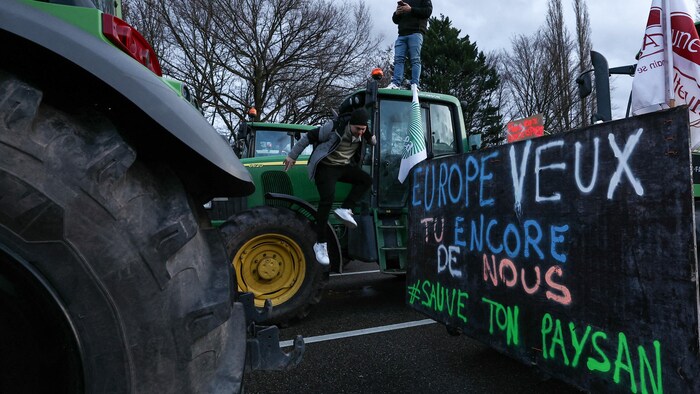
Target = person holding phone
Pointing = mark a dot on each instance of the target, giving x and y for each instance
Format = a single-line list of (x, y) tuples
[(412, 18)]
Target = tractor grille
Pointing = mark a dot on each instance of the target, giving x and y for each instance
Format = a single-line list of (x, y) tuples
[(277, 182)]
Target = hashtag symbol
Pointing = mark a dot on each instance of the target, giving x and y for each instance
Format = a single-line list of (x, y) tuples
[(414, 293)]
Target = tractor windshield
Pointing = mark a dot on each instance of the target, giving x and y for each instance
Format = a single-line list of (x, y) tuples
[(269, 143), (395, 116)]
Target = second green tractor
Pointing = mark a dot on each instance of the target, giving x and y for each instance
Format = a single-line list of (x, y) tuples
[(270, 234)]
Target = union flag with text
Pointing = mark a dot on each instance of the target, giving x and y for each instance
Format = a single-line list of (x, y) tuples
[(650, 90)]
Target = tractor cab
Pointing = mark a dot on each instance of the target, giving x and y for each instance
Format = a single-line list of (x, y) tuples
[(381, 235)]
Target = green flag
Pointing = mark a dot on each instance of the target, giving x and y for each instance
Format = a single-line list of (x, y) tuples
[(414, 151)]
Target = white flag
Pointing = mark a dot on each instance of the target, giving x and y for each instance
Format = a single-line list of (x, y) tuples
[(656, 82), (414, 151)]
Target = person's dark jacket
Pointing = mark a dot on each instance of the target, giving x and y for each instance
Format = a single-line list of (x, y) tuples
[(326, 139), (415, 21)]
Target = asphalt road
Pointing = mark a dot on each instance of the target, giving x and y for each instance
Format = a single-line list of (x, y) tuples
[(398, 351)]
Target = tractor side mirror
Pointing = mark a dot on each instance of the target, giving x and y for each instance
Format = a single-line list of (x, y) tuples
[(238, 148), (585, 84), (371, 93), (242, 131), (239, 145)]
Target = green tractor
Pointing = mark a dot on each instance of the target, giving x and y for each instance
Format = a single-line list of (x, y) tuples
[(270, 234), (112, 278)]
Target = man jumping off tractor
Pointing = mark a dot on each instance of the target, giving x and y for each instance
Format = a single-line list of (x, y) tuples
[(337, 155)]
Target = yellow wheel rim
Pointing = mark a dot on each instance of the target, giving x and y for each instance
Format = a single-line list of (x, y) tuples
[(271, 266)]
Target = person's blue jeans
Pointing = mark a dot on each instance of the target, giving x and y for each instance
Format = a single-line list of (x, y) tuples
[(410, 44)]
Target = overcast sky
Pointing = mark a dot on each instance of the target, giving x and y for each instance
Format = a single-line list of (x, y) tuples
[(617, 27)]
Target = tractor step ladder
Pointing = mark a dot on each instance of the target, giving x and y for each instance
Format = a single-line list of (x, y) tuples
[(392, 239)]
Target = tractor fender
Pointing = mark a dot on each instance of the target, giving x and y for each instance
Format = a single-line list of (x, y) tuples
[(311, 210), (135, 83)]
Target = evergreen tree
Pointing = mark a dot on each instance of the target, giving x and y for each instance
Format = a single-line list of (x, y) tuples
[(454, 65)]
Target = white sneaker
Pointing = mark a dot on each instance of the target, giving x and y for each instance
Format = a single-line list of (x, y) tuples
[(322, 253), (393, 86), (345, 215)]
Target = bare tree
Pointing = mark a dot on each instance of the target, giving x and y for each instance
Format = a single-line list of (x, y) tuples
[(584, 46), (171, 26), (385, 61), (529, 85), (197, 55), (298, 57), (539, 74), (559, 47), (500, 98), (145, 17), (292, 60)]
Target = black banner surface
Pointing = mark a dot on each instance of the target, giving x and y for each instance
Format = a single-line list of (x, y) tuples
[(575, 252)]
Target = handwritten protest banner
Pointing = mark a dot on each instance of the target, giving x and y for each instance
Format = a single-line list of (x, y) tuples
[(575, 252)]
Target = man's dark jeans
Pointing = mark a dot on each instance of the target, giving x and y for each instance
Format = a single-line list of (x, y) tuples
[(326, 178)]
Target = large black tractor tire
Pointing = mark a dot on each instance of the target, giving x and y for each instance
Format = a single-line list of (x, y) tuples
[(271, 250), (108, 284)]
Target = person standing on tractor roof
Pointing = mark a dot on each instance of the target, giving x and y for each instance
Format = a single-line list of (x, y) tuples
[(412, 18), (338, 149)]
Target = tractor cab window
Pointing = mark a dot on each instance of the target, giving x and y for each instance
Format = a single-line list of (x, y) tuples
[(442, 129), (274, 142), (270, 143)]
